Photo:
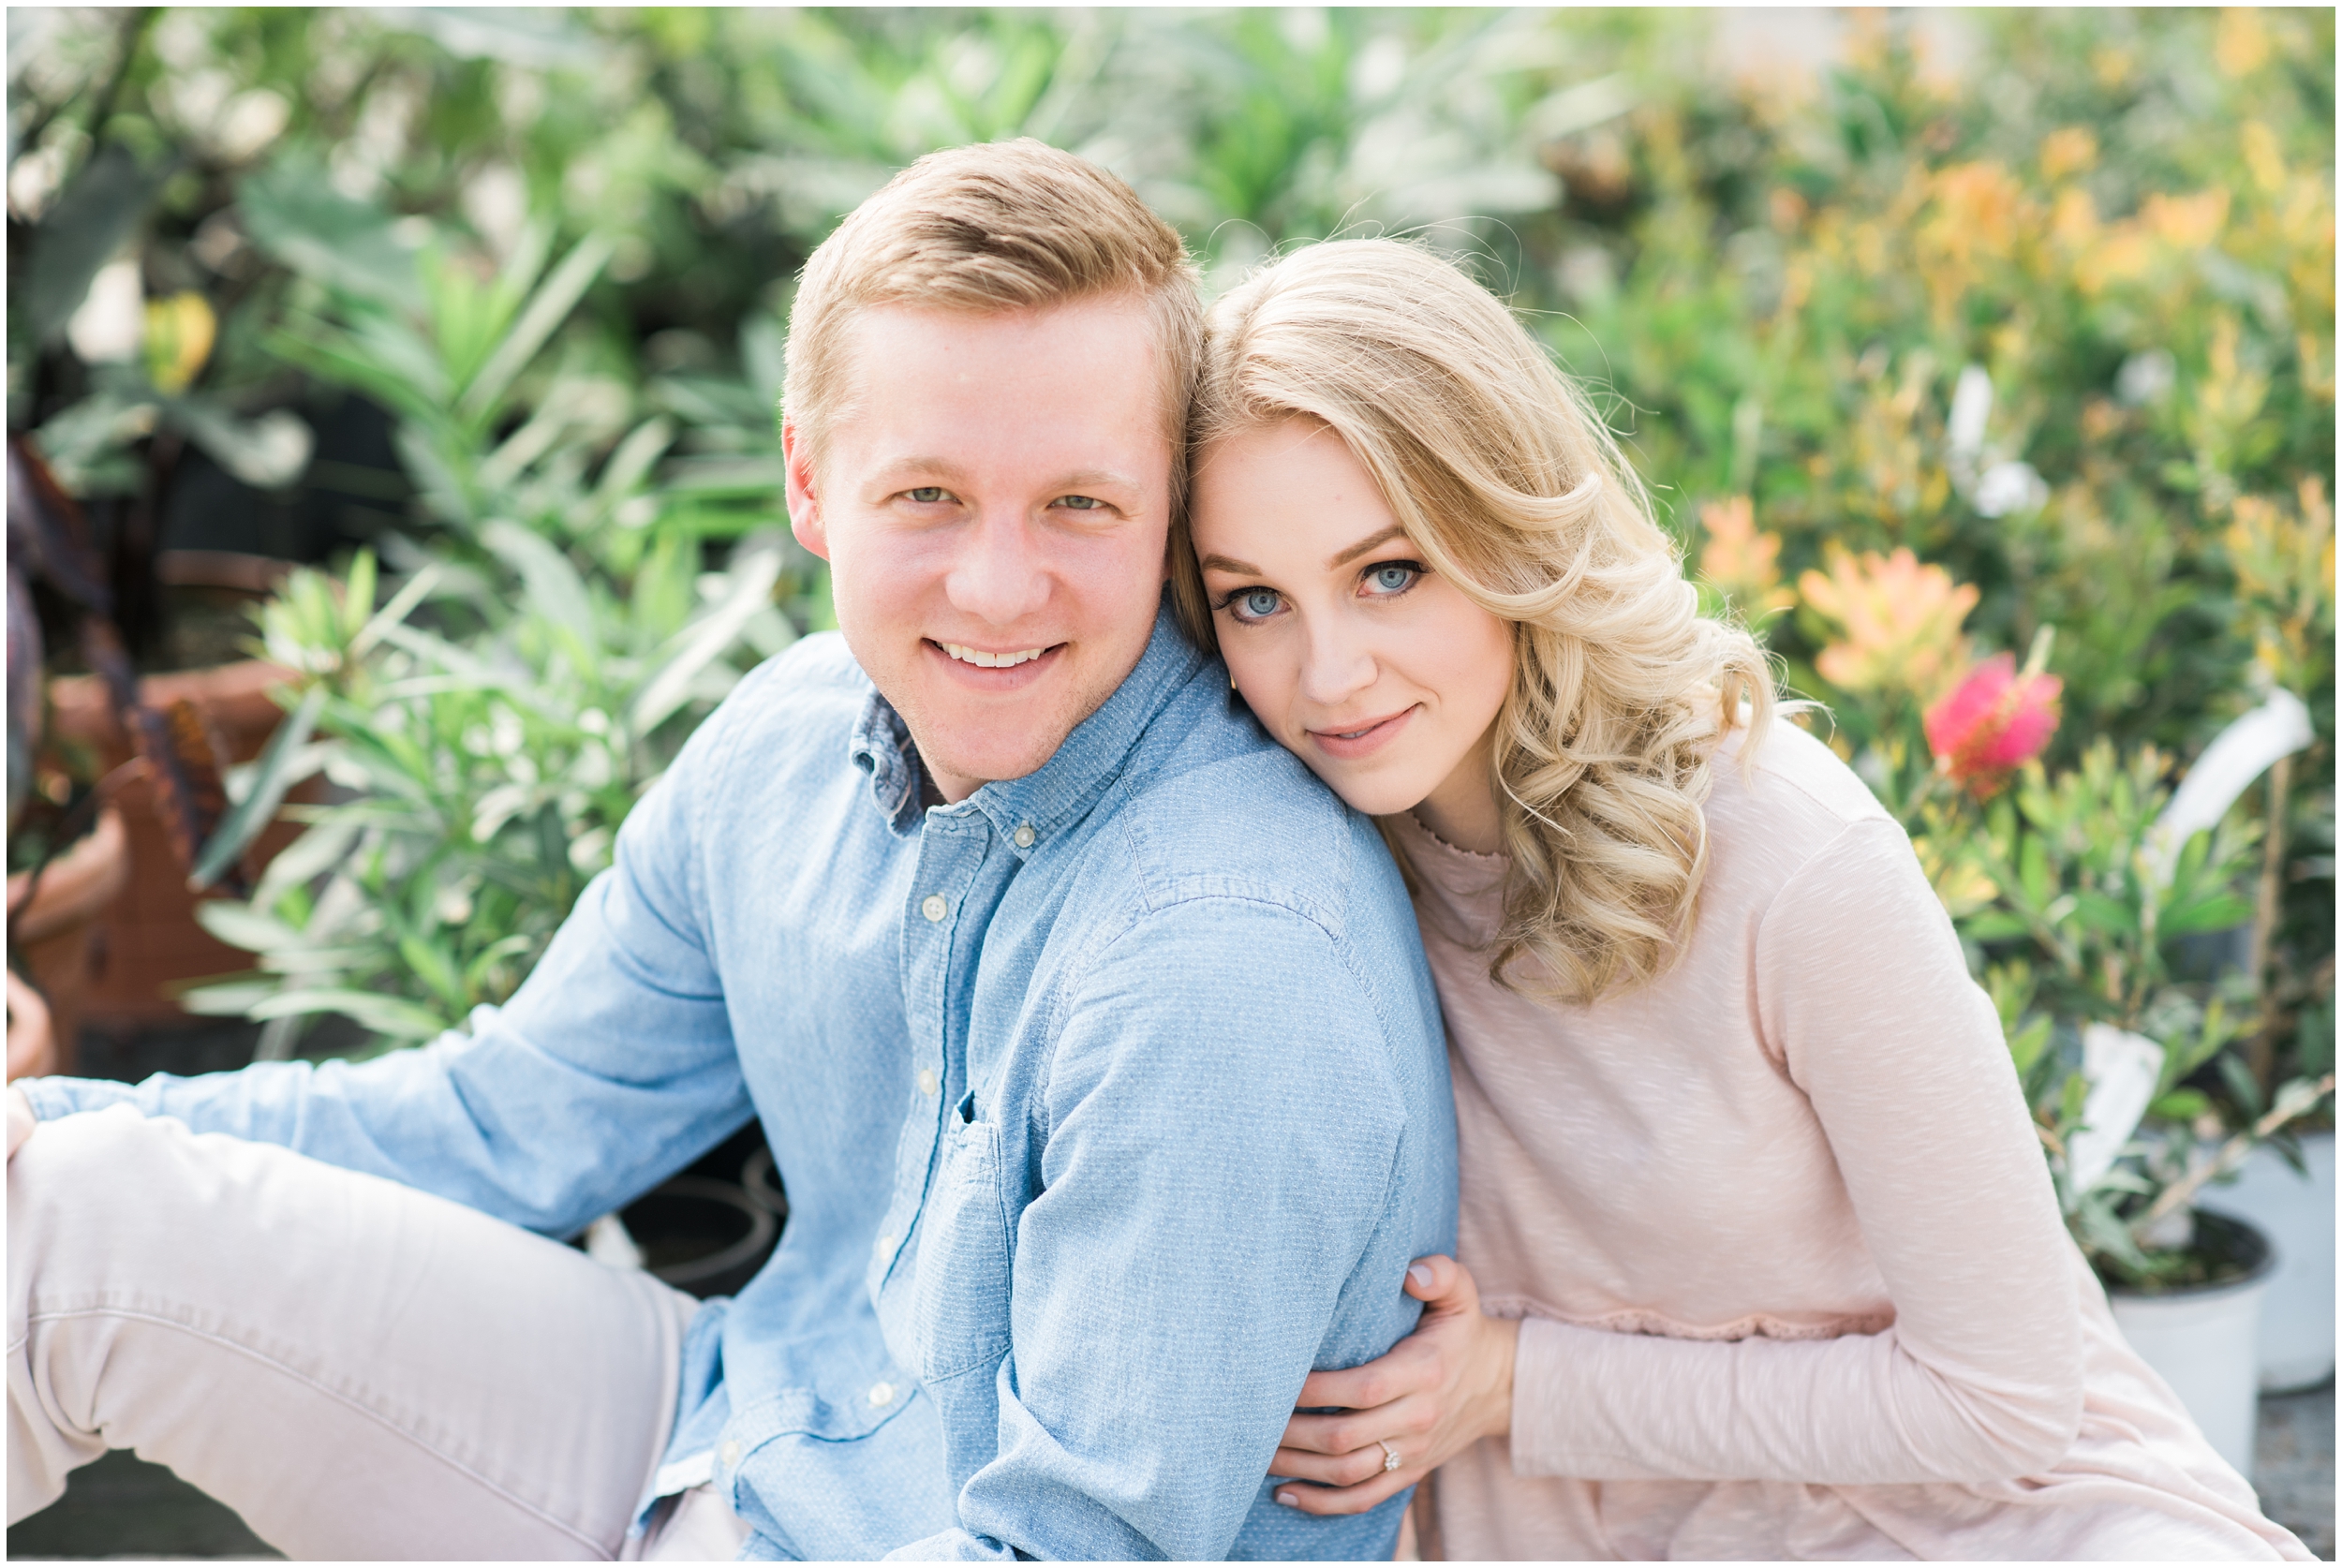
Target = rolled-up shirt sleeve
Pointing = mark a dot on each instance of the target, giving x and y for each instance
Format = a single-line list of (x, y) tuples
[(612, 1066)]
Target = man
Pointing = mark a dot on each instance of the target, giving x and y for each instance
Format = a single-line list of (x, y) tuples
[(1091, 1035)]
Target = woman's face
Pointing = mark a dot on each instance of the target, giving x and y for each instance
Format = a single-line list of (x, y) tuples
[(1380, 675)]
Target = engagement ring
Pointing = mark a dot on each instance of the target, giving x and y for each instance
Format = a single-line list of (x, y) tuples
[(1390, 1456)]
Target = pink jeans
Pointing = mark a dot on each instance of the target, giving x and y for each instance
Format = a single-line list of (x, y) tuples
[(358, 1368)]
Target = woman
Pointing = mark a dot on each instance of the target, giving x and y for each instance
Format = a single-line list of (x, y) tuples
[(1759, 1257)]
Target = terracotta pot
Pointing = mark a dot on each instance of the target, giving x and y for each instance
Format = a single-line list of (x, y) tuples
[(57, 931), (149, 940)]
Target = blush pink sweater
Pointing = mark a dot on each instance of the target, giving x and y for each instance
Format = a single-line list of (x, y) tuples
[(1791, 1265)]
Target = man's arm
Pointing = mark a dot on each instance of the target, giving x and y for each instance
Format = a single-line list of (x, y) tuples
[(612, 1066), (1234, 1182)]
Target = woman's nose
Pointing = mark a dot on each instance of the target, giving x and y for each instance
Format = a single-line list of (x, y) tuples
[(1336, 667)]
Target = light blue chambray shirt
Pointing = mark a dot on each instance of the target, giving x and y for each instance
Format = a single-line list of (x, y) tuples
[(1109, 1103)]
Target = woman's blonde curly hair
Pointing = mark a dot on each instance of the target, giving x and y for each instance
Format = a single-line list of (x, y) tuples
[(1510, 486)]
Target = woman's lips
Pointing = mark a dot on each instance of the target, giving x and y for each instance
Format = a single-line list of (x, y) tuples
[(1356, 741)]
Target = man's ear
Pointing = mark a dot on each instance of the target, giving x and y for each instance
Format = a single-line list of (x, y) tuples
[(805, 499)]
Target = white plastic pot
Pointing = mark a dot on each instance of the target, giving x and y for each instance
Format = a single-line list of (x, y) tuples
[(2297, 1215), (2204, 1341)]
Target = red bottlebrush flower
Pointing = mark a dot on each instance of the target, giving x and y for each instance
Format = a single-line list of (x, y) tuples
[(1993, 721)]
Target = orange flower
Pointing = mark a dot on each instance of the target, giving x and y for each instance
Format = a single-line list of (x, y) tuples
[(1740, 561), (1993, 722), (1900, 622)]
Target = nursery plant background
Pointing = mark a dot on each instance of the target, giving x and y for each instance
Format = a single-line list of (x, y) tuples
[(1987, 372)]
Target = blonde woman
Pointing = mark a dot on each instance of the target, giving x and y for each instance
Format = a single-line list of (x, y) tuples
[(1758, 1257)]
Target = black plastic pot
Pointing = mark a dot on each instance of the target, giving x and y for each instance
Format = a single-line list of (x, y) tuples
[(706, 1236), (763, 1184)]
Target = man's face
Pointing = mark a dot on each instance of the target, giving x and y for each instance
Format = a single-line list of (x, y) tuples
[(993, 508)]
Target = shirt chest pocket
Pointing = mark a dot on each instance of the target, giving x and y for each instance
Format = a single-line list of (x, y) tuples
[(963, 1283)]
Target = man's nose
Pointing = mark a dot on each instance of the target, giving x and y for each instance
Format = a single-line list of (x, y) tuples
[(1336, 664), (1000, 574)]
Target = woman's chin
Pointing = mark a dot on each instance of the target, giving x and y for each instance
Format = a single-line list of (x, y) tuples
[(1372, 796)]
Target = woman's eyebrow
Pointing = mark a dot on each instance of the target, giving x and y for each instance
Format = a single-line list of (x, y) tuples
[(1394, 531), (1222, 563)]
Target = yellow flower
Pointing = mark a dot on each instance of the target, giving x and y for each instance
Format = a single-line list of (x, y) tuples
[(1899, 622), (2187, 222), (2262, 158), (1741, 562), (2068, 150), (2242, 43), (180, 330)]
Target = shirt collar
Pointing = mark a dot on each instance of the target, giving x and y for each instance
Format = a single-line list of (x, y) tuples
[(1061, 789)]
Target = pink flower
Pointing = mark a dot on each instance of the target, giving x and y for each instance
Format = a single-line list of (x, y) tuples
[(1993, 721)]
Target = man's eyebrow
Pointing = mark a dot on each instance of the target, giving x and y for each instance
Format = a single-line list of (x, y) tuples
[(1103, 478), (1222, 563), (1394, 531), (937, 467)]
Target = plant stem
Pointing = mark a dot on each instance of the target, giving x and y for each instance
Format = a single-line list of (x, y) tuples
[(2181, 1192), (2260, 1056)]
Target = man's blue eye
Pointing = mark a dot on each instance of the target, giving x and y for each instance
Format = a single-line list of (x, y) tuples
[(925, 492), (1394, 577), (1079, 503)]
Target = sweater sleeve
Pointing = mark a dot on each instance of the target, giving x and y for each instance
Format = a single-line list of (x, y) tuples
[(1861, 992)]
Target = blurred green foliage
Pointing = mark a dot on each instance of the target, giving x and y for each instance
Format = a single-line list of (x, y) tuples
[(1931, 332)]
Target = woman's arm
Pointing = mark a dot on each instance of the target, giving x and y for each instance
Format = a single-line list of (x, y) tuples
[(1864, 994)]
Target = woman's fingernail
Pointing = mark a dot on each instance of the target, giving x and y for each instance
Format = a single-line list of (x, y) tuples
[(1288, 1499), (1420, 1274)]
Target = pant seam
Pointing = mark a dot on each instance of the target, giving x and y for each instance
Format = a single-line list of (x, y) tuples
[(331, 1393)]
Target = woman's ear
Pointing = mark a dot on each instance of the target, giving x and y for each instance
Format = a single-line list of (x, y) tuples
[(805, 503)]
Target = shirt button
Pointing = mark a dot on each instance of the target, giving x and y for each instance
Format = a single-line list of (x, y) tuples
[(882, 1244), (926, 1080), (732, 1455), (1024, 837), (934, 907), (883, 1393)]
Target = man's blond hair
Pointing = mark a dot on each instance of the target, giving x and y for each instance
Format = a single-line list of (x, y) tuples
[(1003, 226)]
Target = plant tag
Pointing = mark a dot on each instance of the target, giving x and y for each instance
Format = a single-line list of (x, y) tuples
[(2121, 1070)]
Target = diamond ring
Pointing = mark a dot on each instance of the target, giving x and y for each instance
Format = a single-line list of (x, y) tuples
[(1390, 1456)]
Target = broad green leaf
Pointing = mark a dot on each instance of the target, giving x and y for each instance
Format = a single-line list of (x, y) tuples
[(97, 211), (292, 210)]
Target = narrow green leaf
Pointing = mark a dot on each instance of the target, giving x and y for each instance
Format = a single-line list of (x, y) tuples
[(271, 777), (554, 586), (751, 590), (372, 1010), (545, 311)]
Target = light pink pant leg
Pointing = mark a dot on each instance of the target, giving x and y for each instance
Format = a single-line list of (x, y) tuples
[(358, 1368)]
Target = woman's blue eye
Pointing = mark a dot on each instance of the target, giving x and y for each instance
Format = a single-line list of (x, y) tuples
[(1256, 603), (1393, 577), (925, 492)]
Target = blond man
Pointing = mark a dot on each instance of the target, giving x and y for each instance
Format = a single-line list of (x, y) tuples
[(1090, 1034)]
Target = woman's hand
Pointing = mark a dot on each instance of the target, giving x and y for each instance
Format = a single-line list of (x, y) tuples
[(1440, 1390)]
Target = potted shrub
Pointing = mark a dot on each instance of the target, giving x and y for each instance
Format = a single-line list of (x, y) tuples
[(2073, 902)]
